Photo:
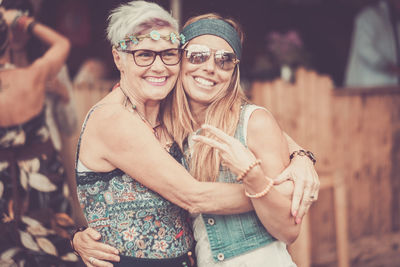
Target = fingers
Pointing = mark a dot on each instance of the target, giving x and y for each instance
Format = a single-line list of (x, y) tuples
[(208, 141), (297, 196), (93, 234), (305, 202), (217, 132), (283, 176), (315, 191)]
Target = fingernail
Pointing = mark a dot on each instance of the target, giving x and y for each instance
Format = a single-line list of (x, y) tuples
[(294, 213), (116, 251), (298, 220)]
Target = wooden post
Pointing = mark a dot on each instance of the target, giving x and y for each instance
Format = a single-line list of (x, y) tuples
[(342, 242)]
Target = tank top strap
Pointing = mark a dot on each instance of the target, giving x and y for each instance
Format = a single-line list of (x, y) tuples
[(241, 131), (78, 146)]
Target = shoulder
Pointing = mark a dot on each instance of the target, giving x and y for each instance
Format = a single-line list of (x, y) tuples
[(260, 119), (113, 119)]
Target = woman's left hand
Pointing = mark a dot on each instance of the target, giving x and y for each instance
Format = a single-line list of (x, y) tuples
[(306, 185), (234, 154)]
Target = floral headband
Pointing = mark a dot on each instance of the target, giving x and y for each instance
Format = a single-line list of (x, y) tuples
[(174, 37)]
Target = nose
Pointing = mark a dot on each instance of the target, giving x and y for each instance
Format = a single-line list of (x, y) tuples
[(209, 65), (158, 65)]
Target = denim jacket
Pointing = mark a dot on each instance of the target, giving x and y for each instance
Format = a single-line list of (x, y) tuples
[(232, 235)]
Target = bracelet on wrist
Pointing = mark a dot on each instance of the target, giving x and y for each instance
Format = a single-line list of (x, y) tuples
[(303, 153), (262, 193), (246, 171), (32, 24), (79, 229)]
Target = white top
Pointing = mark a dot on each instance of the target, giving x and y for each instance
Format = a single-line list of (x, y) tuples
[(373, 48), (274, 254)]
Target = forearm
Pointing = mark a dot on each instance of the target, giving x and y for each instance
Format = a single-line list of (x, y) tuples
[(273, 209), (58, 50), (221, 198)]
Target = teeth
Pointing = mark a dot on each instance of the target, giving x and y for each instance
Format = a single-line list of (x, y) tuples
[(203, 81), (156, 80)]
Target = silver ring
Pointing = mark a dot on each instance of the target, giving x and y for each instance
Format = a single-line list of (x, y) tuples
[(91, 260)]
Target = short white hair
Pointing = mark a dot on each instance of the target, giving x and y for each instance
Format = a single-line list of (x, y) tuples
[(135, 17)]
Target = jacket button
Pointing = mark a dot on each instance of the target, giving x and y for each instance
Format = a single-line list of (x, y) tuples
[(220, 256), (210, 221)]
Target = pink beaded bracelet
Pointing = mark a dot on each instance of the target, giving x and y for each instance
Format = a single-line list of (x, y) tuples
[(262, 193), (246, 171)]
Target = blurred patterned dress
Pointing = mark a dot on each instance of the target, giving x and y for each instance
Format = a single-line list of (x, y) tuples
[(33, 208)]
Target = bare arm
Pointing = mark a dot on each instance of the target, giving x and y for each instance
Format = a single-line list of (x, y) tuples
[(266, 141), (138, 153), (54, 58)]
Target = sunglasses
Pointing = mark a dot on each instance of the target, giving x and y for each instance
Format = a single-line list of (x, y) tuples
[(198, 54), (144, 57)]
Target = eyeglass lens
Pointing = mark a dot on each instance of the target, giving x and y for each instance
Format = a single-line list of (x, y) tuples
[(197, 54), (144, 58)]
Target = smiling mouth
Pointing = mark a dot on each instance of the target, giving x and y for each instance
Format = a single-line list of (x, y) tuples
[(204, 82), (156, 80)]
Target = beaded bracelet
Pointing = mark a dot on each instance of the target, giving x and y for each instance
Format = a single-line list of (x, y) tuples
[(262, 193), (79, 229), (246, 171)]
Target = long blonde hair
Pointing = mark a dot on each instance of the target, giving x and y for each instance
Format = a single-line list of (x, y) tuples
[(222, 113)]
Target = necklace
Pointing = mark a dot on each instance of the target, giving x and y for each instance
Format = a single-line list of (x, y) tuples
[(142, 117)]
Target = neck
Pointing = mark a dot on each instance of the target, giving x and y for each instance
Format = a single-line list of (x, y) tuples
[(199, 113), (147, 109), (19, 57)]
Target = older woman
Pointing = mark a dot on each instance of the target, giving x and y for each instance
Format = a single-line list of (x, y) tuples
[(32, 204), (118, 150)]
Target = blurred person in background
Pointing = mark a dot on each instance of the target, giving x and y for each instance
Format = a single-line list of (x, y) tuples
[(33, 207), (61, 115), (374, 58)]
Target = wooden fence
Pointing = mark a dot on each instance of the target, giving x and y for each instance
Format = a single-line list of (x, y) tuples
[(355, 134)]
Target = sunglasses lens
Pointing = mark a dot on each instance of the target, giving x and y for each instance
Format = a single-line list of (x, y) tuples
[(197, 57), (225, 61), (197, 54)]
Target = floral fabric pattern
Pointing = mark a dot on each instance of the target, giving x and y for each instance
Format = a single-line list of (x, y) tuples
[(33, 209), (132, 218)]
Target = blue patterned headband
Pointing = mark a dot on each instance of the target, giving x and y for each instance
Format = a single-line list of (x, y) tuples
[(215, 27)]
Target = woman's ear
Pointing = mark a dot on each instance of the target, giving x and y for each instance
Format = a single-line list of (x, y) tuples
[(117, 59)]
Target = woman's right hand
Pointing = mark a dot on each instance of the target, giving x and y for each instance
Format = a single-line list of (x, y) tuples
[(92, 251), (234, 154)]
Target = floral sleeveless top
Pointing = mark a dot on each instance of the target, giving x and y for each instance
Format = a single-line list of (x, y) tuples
[(130, 217)]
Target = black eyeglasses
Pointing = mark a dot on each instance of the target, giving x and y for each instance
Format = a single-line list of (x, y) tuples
[(198, 54), (144, 57)]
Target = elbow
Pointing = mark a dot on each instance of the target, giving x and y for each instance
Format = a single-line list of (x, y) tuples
[(291, 235), (66, 44)]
